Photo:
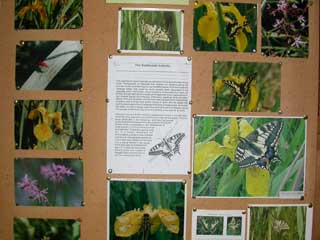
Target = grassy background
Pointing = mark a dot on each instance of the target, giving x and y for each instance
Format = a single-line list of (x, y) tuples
[(55, 229), (131, 33), (129, 195), (262, 220), (223, 43), (66, 193), (267, 82), (225, 178), (71, 13), (69, 139)]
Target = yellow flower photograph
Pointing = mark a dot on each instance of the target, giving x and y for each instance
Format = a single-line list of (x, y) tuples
[(224, 26), (146, 210), (248, 156), (246, 86), (48, 124)]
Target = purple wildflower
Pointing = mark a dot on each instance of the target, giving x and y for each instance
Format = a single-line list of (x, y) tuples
[(297, 42), (278, 23), (55, 173), (282, 6), (32, 189)]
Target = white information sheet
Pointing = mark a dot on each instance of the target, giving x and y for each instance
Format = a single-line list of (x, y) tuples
[(149, 115)]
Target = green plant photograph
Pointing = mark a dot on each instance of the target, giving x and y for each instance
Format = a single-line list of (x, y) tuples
[(146, 210), (150, 30), (48, 14), (224, 26), (210, 225), (248, 156), (48, 182), (246, 86), (234, 226), (40, 57), (285, 28), (48, 124), (278, 222), (46, 229)]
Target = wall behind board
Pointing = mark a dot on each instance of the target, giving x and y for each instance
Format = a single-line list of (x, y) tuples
[(299, 96)]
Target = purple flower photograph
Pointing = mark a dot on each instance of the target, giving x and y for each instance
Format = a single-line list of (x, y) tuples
[(48, 182), (285, 28)]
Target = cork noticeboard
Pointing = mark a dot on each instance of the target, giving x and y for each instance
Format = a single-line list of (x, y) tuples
[(299, 97)]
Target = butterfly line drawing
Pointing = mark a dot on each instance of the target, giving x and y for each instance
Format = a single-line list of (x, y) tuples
[(168, 146), (241, 90), (259, 148)]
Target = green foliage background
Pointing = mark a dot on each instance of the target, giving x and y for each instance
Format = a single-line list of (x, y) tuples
[(225, 179), (223, 43), (130, 195), (69, 139), (131, 33), (267, 82), (263, 218), (37, 229), (66, 193), (72, 12)]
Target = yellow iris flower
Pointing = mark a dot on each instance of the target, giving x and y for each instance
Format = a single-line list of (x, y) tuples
[(131, 222), (36, 6), (208, 25), (42, 131), (257, 179)]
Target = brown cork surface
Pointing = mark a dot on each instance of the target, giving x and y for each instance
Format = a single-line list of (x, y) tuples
[(299, 96)]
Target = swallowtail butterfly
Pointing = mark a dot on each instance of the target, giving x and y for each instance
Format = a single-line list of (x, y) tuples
[(241, 90), (235, 28), (259, 148), (168, 146)]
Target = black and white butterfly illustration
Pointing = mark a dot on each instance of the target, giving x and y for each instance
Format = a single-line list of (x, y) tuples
[(240, 90), (168, 146), (259, 148)]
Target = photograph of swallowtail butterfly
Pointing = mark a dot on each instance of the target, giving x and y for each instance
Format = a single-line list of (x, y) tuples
[(48, 14), (46, 229), (280, 222), (249, 156), (285, 28), (224, 26), (48, 182), (48, 124), (246, 86), (148, 210), (150, 30), (49, 65), (218, 224)]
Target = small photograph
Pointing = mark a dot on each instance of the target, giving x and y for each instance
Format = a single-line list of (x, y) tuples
[(249, 156), (46, 229), (49, 65), (148, 210), (209, 225), (280, 222), (171, 2), (228, 27), (48, 182), (246, 86), (218, 224), (48, 124), (150, 30), (285, 28), (234, 226), (48, 14)]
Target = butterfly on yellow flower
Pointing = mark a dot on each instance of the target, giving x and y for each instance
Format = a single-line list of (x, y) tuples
[(146, 221)]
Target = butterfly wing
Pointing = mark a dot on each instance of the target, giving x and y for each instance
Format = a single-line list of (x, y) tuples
[(259, 148), (235, 87), (128, 224), (158, 149), (175, 142)]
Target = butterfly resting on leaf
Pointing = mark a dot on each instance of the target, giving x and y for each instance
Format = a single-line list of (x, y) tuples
[(259, 148)]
